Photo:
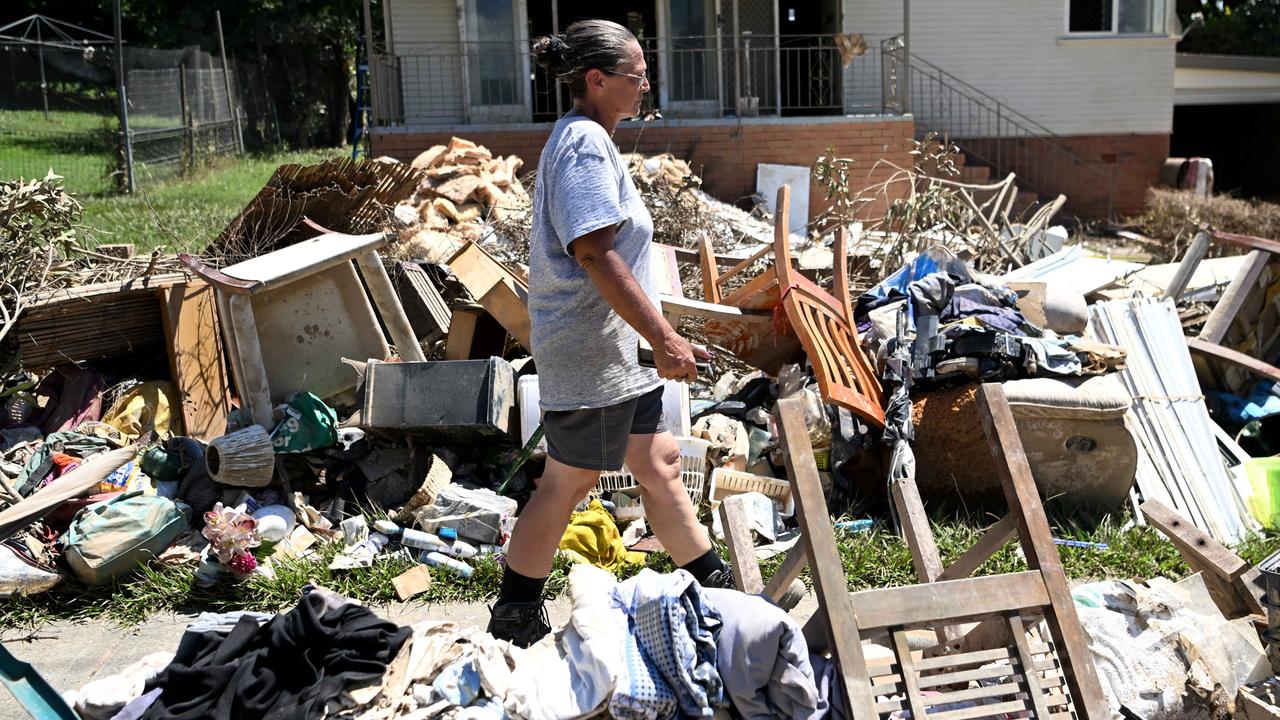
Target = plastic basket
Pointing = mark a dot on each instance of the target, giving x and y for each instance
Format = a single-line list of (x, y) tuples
[(693, 471), (726, 482)]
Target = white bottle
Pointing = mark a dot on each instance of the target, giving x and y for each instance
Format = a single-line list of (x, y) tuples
[(436, 559)]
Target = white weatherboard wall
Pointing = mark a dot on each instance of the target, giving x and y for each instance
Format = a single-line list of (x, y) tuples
[(424, 34), (1013, 51)]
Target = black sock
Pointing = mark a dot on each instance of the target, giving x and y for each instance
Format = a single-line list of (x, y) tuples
[(517, 588), (704, 566)]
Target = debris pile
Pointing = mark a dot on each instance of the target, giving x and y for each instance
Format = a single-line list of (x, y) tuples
[(463, 188), (947, 348)]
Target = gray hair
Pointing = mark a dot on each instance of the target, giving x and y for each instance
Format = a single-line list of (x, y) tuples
[(584, 45)]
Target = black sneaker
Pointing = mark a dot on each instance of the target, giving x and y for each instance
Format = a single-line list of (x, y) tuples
[(523, 624), (722, 579)]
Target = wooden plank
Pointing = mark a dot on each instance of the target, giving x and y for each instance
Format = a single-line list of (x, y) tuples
[(995, 538), (75, 483), (992, 710), (909, 680), (950, 600), (194, 343), (508, 303), (1187, 268), (973, 657), (984, 692), (1037, 545), (743, 265), (462, 330), (737, 535), (1194, 543), (840, 258), (255, 390), (710, 275), (1233, 298), (699, 308), (478, 271), (1222, 567), (46, 300), (1029, 675), (915, 530), (792, 565), (389, 307), (1248, 241), (956, 677), (834, 601), (1234, 357)]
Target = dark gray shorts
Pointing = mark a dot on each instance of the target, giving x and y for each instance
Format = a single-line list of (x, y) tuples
[(596, 439)]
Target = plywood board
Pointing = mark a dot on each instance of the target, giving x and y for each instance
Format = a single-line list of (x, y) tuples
[(194, 343)]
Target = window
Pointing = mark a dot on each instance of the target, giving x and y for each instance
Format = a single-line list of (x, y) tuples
[(1116, 17)]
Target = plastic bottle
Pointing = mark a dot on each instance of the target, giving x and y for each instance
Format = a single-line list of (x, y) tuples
[(454, 565), (420, 540)]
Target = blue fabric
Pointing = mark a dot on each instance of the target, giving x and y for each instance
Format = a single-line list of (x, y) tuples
[(674, 629), (1261, 402), (641, 694)]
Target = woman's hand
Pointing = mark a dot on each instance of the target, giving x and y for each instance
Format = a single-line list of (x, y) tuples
[(676, 358)]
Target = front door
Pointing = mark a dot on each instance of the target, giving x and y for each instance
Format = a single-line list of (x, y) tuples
[(496, 70), (691, 76)]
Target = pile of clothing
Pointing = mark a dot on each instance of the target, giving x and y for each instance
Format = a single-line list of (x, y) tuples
[(655, 646)]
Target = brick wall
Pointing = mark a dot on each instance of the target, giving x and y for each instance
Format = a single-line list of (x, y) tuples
[(1128, 164), (724, 153)]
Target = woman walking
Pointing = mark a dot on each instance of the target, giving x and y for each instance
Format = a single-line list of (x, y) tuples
[(592, 296)]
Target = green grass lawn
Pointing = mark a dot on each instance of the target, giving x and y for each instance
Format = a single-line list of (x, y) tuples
[(188, 211), (877, 558), (75, 145), (80, 146)]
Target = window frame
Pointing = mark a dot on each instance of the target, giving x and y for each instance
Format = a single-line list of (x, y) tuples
[(1114, 32)]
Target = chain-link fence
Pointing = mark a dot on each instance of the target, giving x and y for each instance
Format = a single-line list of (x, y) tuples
[(59, 111)]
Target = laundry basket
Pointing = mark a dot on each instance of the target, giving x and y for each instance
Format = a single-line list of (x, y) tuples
[(726, 482), (693, 471)]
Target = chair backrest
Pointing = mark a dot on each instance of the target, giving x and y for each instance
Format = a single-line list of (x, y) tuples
[(825, 327), (1012, 670), (1021, 676)]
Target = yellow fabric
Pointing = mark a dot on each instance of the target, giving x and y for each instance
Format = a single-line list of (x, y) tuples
[(592, 538), (151, 405)]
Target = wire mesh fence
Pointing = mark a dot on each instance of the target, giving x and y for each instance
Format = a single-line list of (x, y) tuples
[(59, 111)]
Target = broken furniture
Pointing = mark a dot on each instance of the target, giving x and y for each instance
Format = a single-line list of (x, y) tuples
[(1234, 585), (346, 196), (460, 401), (1072, 429), (173, 312), (823, 325), (501, 294), (1241, 336), (290, 316), (428, 314), (1023, 675)]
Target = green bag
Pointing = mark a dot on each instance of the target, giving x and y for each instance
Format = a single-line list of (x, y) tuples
[(109, 539), (308, 425)]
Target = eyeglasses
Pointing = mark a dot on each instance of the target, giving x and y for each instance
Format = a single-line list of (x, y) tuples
[(640, 79)]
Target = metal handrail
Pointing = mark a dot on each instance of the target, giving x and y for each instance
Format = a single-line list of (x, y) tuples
[(1001, 133)]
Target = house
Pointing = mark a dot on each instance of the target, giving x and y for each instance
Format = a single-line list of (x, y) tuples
[(1227, 108), (1075, 96)]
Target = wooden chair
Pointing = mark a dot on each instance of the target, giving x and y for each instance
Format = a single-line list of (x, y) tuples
[(1049, 678), (807, 319)]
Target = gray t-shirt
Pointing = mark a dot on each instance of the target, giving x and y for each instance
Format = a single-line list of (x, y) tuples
[(585, 352)]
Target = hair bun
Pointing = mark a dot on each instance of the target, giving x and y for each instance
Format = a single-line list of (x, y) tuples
[(552, 52)]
